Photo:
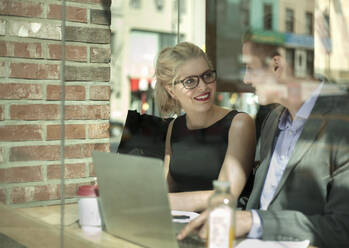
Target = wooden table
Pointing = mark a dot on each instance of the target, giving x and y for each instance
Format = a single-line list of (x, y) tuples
[(40, 227)]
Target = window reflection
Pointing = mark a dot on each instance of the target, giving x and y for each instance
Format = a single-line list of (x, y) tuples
[(312, 36), (140, 33), (302, 30), (289, 22), (268, 17)]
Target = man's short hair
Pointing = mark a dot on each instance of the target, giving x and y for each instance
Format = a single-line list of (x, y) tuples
[(264, 51)]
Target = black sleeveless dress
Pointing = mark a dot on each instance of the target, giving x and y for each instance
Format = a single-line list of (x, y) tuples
[(198, 155)]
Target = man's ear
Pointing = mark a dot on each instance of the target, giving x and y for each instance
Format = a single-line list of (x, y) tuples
[(169, 89)]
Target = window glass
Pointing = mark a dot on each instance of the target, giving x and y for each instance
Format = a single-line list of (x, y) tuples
[(139, 39), (289, 20), (268, 15), (109, 48), (302, 32), (290, 58), (309, 22), (47, 137)]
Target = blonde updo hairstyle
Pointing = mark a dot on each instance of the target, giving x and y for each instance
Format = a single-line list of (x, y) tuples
[(169, 60)]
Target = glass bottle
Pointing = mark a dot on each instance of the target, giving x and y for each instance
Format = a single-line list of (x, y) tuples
[(221, 217)]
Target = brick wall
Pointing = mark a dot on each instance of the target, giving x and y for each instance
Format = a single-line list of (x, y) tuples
[(30, 54)]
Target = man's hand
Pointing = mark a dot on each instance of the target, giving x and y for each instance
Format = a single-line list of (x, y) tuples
[(243, 226), (243, 222), (197, 224)]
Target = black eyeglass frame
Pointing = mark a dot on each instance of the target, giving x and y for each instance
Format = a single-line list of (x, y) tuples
[(198, 79)]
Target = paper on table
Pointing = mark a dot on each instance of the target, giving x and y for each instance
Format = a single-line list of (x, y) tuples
[(189, 216), (257, 243)]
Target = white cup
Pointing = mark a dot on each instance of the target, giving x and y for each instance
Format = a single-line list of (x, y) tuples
[(89, 214)]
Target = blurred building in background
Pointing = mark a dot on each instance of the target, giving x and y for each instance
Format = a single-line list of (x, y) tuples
[(289, 25), (140, 29), (286, 24), (332, 40), (312, 35)]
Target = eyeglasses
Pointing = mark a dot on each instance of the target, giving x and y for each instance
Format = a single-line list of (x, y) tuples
[(192, 82)]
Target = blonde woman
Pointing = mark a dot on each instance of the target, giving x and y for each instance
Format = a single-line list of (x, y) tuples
[(207, 141)]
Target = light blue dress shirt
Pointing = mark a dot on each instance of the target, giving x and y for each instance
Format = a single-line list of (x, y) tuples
[(288, 136)]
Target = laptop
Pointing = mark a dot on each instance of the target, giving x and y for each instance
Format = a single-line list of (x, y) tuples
[(134, 201)]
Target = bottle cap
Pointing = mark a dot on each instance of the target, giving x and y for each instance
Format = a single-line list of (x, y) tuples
[(88, 191)]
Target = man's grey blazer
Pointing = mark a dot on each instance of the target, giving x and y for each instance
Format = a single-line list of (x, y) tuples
[(312, 198)]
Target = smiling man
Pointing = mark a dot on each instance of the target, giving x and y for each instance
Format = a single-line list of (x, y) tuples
[(302, 181)]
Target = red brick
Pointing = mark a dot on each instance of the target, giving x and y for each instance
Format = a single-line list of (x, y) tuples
[(20, 91), (39, 28), (104, 3), (18, 195), (21, 174), (2, 195), (73, 53), (34, 71), (75, 112), (19, 8), (96, 112), (20, 132), (91, 169), (76, 151), (3, 24), (87, 73), (3, 48), (2, 113), (100, 16), (87, 112), (35, 193), (100, 93), (30, 153), (2, 154), (46, 192), (70, 190), (51, 153), (103, 147), (84, 150), (72, 131), (28, 50), (34, 112), (74, 14), (98, 131), (2, 69), (72, 92), (100, 55), (70, 171), (21, 49)]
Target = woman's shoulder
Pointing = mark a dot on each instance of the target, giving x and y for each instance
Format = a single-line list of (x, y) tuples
[(242, 121), (237, 119), (234, 115)]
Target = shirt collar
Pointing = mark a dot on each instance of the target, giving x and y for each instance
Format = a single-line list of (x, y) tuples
[(302, 114)]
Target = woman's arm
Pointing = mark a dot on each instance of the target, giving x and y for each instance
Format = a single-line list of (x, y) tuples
[(239, 158), (195, 201)]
